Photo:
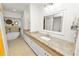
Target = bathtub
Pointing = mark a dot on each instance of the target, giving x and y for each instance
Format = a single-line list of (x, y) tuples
[(12, 35)]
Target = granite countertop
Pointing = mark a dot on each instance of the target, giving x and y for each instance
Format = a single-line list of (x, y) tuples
[(64, 47)]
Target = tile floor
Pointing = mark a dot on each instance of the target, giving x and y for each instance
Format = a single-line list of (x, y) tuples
[(19, 47)]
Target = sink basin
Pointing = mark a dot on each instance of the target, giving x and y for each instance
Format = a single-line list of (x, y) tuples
[(44, 36), (47, 38)]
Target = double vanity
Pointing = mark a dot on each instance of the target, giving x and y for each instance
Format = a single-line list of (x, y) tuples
[(46, 45)]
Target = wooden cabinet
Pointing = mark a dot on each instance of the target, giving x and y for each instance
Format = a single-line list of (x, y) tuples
[(35, 47)]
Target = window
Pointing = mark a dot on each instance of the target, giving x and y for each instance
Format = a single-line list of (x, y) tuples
[(57, 24), (53, 22), (47, 23)]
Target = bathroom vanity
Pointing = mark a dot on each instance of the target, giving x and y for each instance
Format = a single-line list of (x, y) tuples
[(44, 45)]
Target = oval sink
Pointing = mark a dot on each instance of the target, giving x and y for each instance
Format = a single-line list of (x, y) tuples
[(45, 38)]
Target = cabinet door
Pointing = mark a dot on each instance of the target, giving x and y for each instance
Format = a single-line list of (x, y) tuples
[(25, 38), (37, 49), (23, 35), (28, 40)]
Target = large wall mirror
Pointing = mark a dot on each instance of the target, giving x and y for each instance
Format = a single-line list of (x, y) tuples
[(53, 22)]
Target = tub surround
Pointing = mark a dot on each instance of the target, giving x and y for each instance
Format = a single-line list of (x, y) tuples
[(12, 35), (12, 24), (59, 46), (12, 31)]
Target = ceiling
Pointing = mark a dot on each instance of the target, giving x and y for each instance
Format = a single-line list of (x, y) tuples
[(18, 7), (15, 7)]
